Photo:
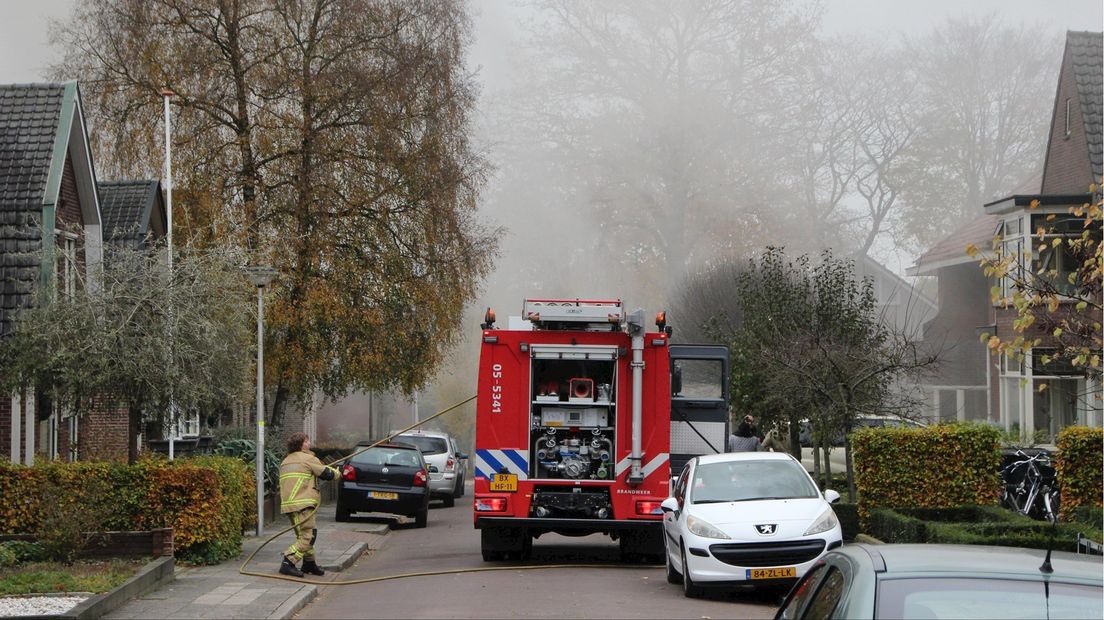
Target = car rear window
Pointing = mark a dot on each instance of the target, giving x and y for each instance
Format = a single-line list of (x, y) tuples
[(428, 445), (395, 457), (987, 598)]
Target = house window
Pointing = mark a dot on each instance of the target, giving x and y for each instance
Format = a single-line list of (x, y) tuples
[(187, 425), (1056, 265), (1012, 244), (67, 263)]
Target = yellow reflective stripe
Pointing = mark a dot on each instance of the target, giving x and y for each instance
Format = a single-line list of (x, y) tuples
[(295, 475)]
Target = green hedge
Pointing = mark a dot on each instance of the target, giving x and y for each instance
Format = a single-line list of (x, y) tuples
[(1080, 465), (936, 467), (960, 526), (205, 500)]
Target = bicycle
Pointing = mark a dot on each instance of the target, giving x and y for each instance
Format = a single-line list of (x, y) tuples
[(1031, 486)]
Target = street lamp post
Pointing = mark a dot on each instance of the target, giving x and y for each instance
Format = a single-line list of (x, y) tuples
[(166, 94), (260, 276)]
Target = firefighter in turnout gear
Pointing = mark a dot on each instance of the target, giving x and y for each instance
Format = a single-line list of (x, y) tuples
[(299, 499)]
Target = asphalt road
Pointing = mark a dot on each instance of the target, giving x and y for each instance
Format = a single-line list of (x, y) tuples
[(450, 542)]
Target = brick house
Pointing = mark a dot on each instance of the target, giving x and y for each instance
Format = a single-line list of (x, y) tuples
[(52, 207), (1010, 387)]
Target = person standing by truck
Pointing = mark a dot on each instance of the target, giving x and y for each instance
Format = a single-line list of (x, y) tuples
[(299, 499), (745, 440)]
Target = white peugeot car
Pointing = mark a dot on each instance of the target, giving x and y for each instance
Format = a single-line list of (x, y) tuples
[(746, 519)]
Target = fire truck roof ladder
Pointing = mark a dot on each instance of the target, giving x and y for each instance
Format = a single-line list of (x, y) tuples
[(591, 314)]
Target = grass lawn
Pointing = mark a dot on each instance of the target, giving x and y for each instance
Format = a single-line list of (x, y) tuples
[(81, 576)]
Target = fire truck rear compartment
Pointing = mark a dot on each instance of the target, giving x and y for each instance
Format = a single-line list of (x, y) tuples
[(573, 416)]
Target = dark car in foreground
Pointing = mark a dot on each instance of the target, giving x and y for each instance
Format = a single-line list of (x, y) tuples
[(389, 478), (947, 581)]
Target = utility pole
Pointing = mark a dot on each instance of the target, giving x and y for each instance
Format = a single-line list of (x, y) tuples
[(167, 94)]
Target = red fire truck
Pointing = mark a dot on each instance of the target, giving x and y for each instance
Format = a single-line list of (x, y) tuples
[(581, 415)]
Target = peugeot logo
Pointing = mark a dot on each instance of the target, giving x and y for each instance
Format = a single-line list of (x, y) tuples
[(766, 529), (385, 470)]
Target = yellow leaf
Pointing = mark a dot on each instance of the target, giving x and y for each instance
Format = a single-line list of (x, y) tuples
[(1057, 333), (994, 342), (1052, 304), (1042, 387), (1081, 305), (984, 337)]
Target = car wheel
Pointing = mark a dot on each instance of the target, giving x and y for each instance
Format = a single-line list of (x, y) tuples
[(421, 517), (449, 500), (673, 576), (689, 589), (341, 514)]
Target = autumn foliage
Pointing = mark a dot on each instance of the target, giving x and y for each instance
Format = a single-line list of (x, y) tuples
[(1080, 466), (207, 501), (934, 467)]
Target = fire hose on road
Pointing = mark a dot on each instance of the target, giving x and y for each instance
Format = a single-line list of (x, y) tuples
[(242, 570)]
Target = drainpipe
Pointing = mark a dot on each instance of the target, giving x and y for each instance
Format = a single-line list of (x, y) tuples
[(636, 331)]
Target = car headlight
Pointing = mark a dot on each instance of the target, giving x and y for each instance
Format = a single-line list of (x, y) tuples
[(703, 529), (826, 521)]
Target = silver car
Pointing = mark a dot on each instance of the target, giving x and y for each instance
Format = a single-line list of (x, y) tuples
[(445, 460)]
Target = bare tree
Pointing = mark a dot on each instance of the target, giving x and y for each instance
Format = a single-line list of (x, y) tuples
[(984, 90)]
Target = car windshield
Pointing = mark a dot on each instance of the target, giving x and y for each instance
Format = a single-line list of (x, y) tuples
[(428, 445), (987, 598), (741, 481), (395, 457)]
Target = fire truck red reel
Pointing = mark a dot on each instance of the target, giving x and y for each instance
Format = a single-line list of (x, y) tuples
[(581, 388)]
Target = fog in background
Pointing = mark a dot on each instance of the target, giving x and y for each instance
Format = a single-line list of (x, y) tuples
[(637, 142)]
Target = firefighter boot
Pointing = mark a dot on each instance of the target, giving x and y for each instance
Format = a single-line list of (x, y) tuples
[(312, 568), (288, 568)]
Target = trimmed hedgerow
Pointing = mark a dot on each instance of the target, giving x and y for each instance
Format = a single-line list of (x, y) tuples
[(957, 526), (1080, 466), (935, 467), (205, 500)]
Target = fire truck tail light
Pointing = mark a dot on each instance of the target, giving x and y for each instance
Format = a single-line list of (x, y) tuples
[(648, 507), (420, 478), (348, 473), (490, 504)]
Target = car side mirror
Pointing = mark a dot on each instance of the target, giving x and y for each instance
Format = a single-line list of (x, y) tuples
[(832, 496), (433, 469), (669, 505), (676, 380), (461, 456)]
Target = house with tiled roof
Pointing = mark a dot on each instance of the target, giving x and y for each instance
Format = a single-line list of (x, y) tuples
[(973, 383), (54, 219), (133, 212)]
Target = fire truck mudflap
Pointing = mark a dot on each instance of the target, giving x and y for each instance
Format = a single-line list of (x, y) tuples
[(572, 429)]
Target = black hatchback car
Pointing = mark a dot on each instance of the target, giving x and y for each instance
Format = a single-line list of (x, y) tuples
[(390, 478)]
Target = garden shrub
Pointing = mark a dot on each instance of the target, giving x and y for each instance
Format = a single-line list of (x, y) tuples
[(935, 467), (204, 500), (848, 515), (24, 550), (7, 557), (1080, 466), (957, 526)]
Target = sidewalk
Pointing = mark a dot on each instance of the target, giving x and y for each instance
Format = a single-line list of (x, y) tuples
[(222, 592)]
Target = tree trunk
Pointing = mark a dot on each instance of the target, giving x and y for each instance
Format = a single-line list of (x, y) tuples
[(795, 438), (279, 404), (827, 466), (850, 468), (816, 460)]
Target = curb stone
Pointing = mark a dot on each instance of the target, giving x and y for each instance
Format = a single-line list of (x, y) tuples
[(298, 601)]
